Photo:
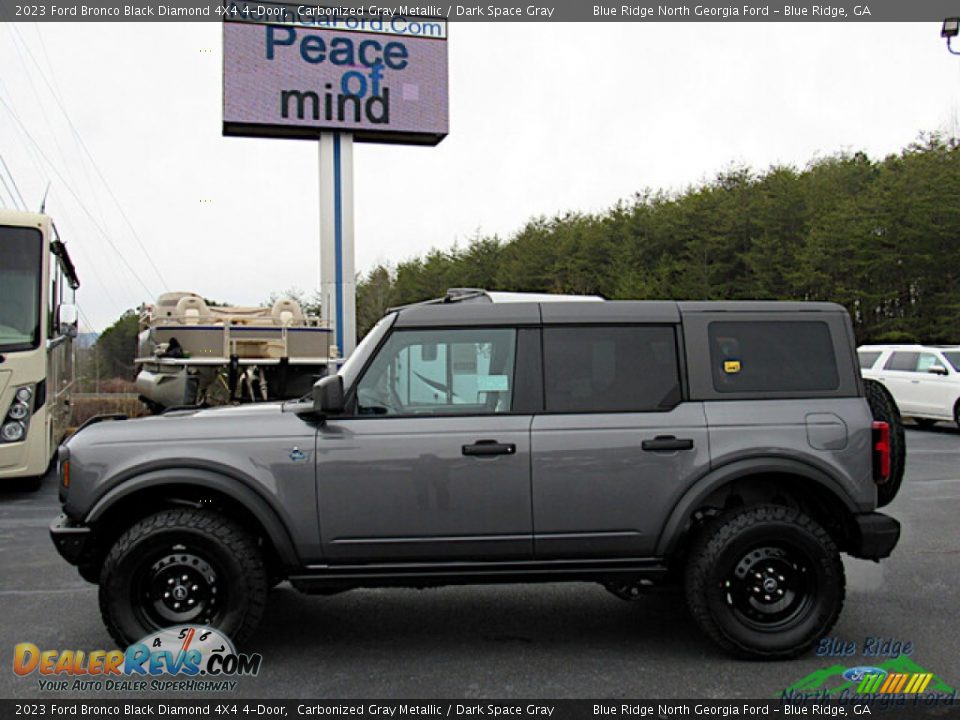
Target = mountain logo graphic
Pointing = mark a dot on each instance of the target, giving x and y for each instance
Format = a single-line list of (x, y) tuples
[(897, 675)]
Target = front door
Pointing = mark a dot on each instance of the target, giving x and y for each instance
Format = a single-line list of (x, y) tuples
[(431, 463)]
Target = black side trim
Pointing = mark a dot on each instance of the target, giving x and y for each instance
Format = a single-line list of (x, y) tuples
[(72, 540), (876, 537), (100, 418), (317, 578), (527, 375), (156, 475)]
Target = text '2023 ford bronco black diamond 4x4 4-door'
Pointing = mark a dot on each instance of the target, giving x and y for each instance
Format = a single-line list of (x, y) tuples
[(729, 448)]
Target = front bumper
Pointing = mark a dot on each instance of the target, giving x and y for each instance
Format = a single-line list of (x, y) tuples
[(875, 536), (73, 541)]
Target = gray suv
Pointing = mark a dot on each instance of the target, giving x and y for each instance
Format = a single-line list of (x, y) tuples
[(728, 449)]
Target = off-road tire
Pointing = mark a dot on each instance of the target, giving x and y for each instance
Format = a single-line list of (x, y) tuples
[(884, 408), (225, 551), (728, 544)]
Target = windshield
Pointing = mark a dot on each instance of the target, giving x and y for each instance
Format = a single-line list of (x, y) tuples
[(354, 364), (20, 268)]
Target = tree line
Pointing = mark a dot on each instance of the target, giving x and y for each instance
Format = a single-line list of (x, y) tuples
[(881, 237)]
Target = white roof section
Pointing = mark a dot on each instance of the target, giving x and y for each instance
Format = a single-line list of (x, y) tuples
[(496, 296)]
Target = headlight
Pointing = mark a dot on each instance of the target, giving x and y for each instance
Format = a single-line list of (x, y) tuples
[(18, 411), (18, 415), (13, 431)]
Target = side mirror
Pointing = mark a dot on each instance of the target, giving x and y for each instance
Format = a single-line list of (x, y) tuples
[(937, 370), (67, 318), (328, 395)]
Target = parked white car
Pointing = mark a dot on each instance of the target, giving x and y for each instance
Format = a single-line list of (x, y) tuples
[(923, 379)]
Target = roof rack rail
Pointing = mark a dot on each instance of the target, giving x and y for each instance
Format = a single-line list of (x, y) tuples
[(453, 295)]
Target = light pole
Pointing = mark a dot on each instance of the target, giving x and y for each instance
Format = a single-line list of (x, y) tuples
[(950, 29)]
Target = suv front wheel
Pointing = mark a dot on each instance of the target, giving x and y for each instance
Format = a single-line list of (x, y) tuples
[(765, 582), (181, 567)]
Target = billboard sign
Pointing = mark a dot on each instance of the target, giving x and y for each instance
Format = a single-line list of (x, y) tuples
[(382, 80)]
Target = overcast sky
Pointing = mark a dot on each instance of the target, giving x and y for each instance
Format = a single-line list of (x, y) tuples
[(545, 118)]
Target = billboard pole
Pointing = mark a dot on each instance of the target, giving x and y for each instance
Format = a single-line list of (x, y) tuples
[(337, 275)]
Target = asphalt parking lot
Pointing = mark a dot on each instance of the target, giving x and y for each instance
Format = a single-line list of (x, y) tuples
[(549, 641)]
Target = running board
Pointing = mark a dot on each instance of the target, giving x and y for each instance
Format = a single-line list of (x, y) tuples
[(319, 578)]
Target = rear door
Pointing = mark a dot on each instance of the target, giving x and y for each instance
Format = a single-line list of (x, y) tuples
[(617, 444), (900, 377), (933, 389)]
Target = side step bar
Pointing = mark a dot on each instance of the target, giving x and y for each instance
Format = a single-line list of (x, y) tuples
[(318, 578)]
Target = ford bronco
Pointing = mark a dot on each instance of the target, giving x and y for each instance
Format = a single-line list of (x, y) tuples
[(730, 449)]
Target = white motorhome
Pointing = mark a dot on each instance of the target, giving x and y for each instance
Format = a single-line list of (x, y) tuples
[(38, 322)]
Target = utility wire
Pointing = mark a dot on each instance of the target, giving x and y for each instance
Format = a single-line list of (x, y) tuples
[(15, 35), (13, 198), (80, 202), (13, 181), (91, 266), (58, 95), (83, 315), (76, 133), (37, 163)]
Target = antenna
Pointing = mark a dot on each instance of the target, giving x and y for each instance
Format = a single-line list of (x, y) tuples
[(43, 203)]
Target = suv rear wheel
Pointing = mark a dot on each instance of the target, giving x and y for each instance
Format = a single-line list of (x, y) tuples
[(183, 567), (765, 582), (883, 407)]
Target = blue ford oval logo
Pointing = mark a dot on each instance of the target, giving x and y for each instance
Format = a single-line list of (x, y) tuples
[(855, 674)]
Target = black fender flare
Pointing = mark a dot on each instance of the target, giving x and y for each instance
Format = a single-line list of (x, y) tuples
[(676, 524), (229, 485)]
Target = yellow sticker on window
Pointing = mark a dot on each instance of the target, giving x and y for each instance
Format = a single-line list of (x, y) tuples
[(731, 366)]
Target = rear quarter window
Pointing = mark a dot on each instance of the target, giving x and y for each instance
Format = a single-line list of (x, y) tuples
[(868, 358), (774, 357)]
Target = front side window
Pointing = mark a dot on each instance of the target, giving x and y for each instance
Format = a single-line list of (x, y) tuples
[(441, 372), (21, 251), (927, 361), (610, 369), (954, 359), (766, 356)]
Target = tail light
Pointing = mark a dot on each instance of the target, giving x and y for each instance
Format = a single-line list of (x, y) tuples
[(881, 452), (63, 470)]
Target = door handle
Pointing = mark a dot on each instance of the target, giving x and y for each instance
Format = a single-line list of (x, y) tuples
[(489, 447), (667, 443)]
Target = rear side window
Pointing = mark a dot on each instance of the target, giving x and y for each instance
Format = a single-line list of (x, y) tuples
[(610, 369), (867, 359), (772, 357), (904, 361)]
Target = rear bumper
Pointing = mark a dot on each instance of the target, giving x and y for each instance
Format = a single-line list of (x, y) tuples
[(73, 541), (875, 536)]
